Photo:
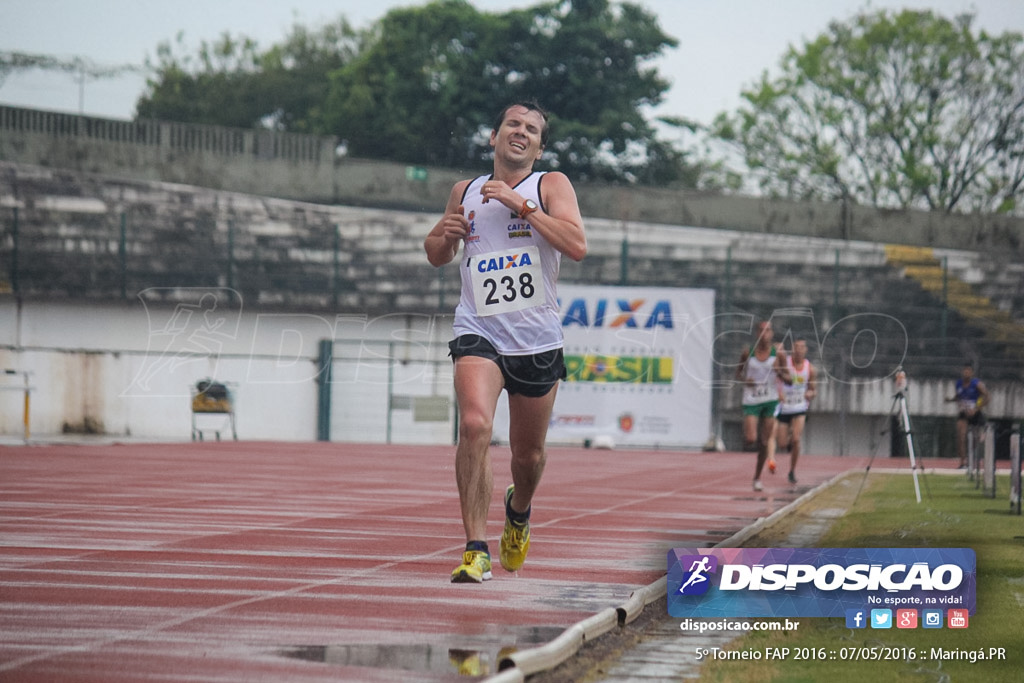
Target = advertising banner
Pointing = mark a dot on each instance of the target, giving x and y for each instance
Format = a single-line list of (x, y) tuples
[(639, 367), (823, 582)]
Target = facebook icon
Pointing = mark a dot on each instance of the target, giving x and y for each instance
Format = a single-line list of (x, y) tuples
[(856, 618)]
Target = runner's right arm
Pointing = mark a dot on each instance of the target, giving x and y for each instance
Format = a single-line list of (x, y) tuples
[(442, 243)]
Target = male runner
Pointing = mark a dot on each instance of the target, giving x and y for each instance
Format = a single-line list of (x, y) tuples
[(515, 225)]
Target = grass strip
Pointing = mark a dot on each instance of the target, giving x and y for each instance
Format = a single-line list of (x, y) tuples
[(952, 514)]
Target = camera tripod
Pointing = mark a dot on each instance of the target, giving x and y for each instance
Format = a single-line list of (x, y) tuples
[(899, 407), (899, 401)]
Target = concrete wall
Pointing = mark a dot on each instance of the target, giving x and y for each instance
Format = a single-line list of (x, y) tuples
[(112, 249), (75, 234), (286, 165), (127, 369), (307, 168)]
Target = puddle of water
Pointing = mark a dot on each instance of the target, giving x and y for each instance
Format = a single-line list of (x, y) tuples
[(466, 656)]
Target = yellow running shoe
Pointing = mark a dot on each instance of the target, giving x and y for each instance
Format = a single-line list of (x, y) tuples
[(468, 662), (475, 568), (515, 540)]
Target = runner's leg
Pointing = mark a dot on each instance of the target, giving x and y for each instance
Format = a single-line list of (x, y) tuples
[(478, 383)]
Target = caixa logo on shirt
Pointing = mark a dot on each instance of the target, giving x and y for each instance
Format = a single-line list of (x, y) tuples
[(519, 229), (506, 261), (815, 582)]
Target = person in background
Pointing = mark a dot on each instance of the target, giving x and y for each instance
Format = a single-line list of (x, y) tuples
[(796, 396), (970, 395), (760, 367)]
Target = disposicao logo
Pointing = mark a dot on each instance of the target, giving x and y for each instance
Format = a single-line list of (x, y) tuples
[(696, 581), (819, 582)]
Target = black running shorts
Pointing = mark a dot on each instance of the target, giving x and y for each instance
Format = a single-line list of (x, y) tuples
[(532, 376), (976, 420)]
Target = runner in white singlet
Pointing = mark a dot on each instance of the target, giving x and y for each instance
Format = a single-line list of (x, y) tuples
[(758, 369), (515, 225), (796, 401)]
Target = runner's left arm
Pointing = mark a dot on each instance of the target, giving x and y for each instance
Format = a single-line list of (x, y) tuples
[(812, 382), (983, 395), (558, 219), (781, 367)]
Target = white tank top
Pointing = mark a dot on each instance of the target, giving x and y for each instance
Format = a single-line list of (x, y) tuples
[(509, 276), (762, 374), (794, 399)]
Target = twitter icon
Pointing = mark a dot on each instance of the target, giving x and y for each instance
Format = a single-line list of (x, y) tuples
[(881, 618)]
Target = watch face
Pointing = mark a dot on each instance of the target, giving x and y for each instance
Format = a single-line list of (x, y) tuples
[(531, 205)]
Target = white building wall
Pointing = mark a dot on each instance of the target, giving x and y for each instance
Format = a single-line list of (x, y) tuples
[(120, 369), (125, 370)]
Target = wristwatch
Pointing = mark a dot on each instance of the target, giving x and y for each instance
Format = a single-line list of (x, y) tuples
[(529, 206)]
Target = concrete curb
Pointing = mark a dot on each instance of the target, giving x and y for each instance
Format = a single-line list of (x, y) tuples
[(516, 667)]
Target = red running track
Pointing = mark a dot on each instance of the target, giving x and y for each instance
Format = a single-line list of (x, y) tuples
[(325, 562)]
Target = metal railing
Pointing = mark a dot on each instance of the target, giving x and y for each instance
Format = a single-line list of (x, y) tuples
[(150, 133)]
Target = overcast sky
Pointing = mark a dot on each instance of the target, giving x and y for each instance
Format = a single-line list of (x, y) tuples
[(724, 46)]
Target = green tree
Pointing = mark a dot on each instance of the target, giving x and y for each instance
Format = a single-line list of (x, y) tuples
[(413, 92), (589, 62), (213, 87), (231, 82), (427, 88), (293, 76), (422, 84), (893, 110)]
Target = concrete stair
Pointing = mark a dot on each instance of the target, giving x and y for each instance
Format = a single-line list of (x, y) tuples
[(289, 255), (933, 274)]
